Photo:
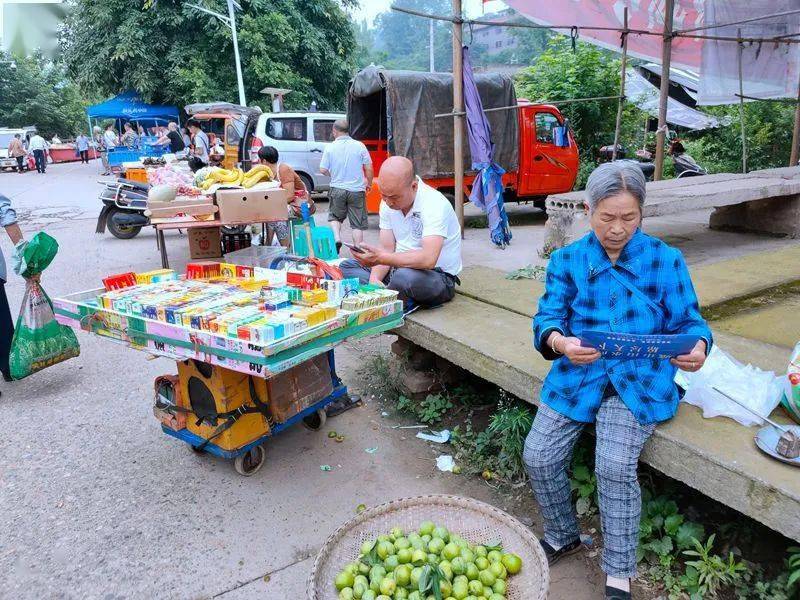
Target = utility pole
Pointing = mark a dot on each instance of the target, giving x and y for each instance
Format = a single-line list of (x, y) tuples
[(666, 57), (458, 121), (793, 157), (430, 45), (741, 103), (230, 21), (622, 74)]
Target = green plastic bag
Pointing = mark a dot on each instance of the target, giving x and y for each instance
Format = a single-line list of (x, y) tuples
[(39, 340)]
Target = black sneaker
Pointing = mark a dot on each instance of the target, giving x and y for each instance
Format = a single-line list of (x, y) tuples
[(613, 593), (553, 556), (338, 248)]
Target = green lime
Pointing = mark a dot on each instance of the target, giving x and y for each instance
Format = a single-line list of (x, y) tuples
[(481, 551), (369, 595), (487, 578), (476, 588), (404, 556), (426, 528), (459, 565), (482, 563), (343, 580), (388, 586), (460, 590), (359, 587), (436, 545), (498, 570), (468, 555), (512, 563), (446, 588), (346, 594), (441, 533), (401, 543), (450, 551), (385, 549), (416, 573), (391, 563), (419, 557), (447, 569), (402, 575), (377, 572), (472, 572), (500, 587)]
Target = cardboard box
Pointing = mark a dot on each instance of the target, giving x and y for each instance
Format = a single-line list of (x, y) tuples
[(205, 242), (252, 206)]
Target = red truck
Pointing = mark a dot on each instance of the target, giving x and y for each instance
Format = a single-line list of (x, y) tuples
[(391, 113)]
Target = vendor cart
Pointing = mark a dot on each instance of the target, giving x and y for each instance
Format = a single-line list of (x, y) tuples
[(230, 395)]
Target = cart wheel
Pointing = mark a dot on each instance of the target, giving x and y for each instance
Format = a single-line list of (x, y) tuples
[(316, 420), (250, 462)]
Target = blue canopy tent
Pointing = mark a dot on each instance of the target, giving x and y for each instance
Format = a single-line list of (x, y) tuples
[(127, 106)]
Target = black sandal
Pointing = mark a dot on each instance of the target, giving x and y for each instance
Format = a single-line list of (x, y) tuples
[(336, 408), (613, 593), (553, 556)]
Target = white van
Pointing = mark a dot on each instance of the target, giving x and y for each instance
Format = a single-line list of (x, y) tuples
[(6, 135), (300, 138)]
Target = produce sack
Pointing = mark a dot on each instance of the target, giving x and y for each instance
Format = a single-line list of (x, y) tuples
[(39, 340), (791, 393)]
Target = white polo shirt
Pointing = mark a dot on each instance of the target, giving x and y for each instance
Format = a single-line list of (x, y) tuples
[(345, 158), (431, 214)]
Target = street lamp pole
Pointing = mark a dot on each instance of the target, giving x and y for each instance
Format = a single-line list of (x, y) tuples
[(239, 78), (230, 21)]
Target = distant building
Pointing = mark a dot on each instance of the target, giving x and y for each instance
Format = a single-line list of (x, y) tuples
[(495, 38)]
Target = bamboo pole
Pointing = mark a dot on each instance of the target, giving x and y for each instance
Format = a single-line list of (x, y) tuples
[(622, 74), (666, 56), (793, 158), (458, 122), (741, 105), (518, 106)]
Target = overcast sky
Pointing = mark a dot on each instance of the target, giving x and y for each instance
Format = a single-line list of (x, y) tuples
[(369, 9)]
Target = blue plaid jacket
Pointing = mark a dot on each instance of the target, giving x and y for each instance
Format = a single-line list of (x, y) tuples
[(581, 294)]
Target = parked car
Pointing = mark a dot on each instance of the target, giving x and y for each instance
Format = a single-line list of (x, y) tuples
[(300, 138)]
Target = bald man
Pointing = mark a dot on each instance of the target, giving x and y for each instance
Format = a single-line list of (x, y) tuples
[(420, 241)]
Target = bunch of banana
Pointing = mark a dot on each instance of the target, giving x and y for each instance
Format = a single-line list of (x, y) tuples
[(256, 174), (232, 176)]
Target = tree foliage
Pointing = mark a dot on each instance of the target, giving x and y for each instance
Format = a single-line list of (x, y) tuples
[(401, 41), (35, 91), (172, 53)]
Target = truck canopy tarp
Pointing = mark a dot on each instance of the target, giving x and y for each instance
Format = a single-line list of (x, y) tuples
[(399, 106)]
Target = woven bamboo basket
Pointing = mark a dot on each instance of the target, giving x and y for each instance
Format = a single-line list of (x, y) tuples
[(475, 521)]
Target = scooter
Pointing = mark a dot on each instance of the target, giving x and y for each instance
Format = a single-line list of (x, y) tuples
[(124, 202)]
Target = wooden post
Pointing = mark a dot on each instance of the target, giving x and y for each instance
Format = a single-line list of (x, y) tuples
[(741, 104), (795, 155), (458, 122), (666, 57), (621, 84)]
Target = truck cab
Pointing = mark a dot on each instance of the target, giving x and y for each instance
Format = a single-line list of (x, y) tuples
[(230, 125)]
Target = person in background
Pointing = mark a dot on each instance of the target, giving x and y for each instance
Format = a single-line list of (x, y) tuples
[(173, 138), (55, 139), (683, 162), (16, 150), (420, 240), (82, 145), (291, 182), (140, 131), (129, 137), (199, 141), (38, 146), (100, 147), (349, 166), (618, 279), (187, 139), (8, 220), (110, 137)]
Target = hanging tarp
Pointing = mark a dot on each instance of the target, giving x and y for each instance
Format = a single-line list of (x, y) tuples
[(642, 14), (642, 93), (487, 191), (400, 107), (130, 107), (770, 70)]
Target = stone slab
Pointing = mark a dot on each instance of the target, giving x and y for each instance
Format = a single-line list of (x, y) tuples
[(714, 283), (710, 191), (714, 456)]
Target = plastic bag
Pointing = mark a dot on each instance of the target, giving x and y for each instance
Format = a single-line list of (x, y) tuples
[(757, 389), (791, 393), (39, 340)]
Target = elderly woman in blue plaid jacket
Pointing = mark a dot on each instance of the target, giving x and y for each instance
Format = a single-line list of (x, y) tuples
[(615, 279)]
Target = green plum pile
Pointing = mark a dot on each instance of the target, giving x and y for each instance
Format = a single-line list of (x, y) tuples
[(430, 564)]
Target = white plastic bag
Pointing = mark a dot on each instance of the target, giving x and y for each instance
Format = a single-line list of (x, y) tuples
[(757, 389)]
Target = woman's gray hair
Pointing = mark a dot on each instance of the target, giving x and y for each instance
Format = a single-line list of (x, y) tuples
[(612, 178)]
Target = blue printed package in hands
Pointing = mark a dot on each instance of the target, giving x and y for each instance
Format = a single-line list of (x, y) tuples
[(39, 340)]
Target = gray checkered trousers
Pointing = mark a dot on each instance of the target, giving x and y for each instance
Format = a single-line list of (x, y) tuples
[(548, 453)]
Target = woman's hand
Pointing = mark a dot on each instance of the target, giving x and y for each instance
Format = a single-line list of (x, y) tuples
[(694, 360), (572, 349)]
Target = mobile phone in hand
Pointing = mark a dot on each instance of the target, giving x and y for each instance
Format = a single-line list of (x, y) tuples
[(356, 249)]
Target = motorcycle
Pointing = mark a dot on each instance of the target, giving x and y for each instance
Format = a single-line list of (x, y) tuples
[(124, 202)]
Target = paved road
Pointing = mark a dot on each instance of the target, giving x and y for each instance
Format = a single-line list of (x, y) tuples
[(97, 503)]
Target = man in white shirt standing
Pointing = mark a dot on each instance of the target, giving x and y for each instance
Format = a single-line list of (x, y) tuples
[(349, 165), (420, 240), (38, 146), (200, 140)]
